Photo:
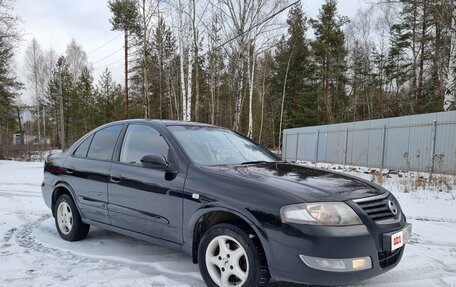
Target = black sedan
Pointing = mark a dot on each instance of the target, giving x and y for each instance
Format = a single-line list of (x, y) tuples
[(245, 216)]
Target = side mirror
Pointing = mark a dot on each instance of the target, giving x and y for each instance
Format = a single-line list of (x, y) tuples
[(154, 161)]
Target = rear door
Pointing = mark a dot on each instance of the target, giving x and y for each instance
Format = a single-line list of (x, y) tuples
[(87, 172), (143, 199)]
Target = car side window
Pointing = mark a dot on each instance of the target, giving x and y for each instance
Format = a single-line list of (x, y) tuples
[(82, 149), (141, 140), (103, 143)]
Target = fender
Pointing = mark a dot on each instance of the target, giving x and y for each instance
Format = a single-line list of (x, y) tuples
[(65, 185), (218, 206)]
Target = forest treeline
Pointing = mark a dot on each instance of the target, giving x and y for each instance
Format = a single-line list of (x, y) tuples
[(253, 66)]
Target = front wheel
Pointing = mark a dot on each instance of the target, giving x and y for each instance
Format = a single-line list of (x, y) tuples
[(228, 257), (68, 221)]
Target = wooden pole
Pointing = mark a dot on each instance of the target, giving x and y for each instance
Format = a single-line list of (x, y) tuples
[(126, 76), (62, 118)]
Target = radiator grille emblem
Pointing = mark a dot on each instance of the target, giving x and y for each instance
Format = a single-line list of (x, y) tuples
[(392, 206)]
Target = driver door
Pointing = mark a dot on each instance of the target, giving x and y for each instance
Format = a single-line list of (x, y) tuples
[(143, 199)]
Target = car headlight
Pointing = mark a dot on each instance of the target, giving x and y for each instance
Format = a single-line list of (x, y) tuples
[(320, 213)]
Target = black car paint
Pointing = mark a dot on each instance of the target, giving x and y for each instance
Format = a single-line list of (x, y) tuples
[(161, 206)]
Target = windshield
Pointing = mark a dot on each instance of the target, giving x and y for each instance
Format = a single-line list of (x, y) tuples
[(217, 146)]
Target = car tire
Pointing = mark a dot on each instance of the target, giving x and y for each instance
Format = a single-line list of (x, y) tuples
[(68, 220), (240, 263)]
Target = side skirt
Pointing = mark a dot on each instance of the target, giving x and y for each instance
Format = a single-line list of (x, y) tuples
[(151, 239)]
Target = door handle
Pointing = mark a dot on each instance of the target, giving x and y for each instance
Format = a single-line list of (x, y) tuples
[(115, 178)]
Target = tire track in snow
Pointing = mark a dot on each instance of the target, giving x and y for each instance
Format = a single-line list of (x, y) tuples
[(433, 270), (5, 240), (21, 183), (428, 272), (430, 219), (21, 193), (25, 239)]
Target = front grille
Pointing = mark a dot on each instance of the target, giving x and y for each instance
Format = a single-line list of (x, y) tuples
[(377, 207), (387, 258)]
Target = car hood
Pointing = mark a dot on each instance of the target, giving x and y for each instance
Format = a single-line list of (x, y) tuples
[(310, 184)]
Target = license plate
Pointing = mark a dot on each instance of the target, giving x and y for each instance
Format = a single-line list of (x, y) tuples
[(398, 239)]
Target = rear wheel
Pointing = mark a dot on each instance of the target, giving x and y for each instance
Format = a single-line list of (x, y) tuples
[(68, 220), (228, 257)]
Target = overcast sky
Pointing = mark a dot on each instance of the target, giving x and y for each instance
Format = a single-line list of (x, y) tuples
[(55, 22)]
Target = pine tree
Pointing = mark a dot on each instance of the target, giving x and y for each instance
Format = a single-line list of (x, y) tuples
[(61, 76), (411, 55), (164, 50), (108, 99), (86, 115), (329, 55), (125, 18), (361, 85), (303, 100), (292, 80)]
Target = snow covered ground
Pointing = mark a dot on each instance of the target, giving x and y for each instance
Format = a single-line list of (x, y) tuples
[(32, 254)]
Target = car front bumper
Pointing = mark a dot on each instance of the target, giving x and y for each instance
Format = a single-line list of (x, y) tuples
[(315, 254)]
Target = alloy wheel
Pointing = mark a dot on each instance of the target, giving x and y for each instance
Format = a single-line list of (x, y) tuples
[(227, 262), (64, 218)]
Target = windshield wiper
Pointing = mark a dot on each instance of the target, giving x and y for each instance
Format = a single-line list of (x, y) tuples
[(253, 162), (262, 161)]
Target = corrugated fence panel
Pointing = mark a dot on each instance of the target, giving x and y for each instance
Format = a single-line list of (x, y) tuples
[(291, 147), (396, 147), (306, 148), (350, 151), (411, 142), (445, 147), (374, 151), (360, 147), (420, 147), (334, 146), (322, 140)]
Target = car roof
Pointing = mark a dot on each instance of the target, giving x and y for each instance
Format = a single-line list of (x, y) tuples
[(165, 122)]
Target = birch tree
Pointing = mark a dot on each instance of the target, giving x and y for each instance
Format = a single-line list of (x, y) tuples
[(262, 39), (251, 70), (245, 21), (34, 68), (182, 45), (76, 58), (214, 60), (196, 59), (49, 63), (239, 19), (190, 50), (450, 85)]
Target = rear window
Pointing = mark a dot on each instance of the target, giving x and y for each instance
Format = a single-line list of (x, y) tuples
[(104, 142), (82, 149)]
